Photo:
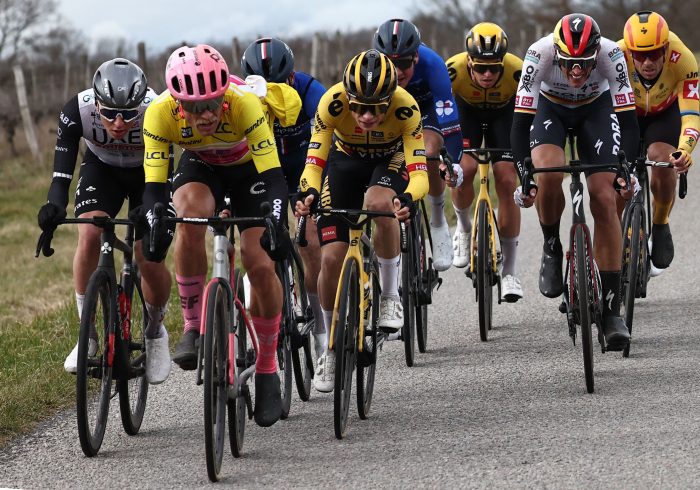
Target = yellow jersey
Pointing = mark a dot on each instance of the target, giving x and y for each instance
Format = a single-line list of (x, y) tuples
[(335, 125), (484, 98), (678, 80)]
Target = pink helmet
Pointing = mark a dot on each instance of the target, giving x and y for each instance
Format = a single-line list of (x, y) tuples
[(197, 73)]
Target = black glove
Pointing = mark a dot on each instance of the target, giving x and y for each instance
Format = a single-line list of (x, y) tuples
[(302, 195), (283, 243), (160, 237), (49, 216), (406, 200)]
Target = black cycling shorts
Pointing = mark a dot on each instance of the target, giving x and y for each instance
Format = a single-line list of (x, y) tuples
[(242, 183), (347, 179), (664, 127), (499, 121), (595, 125)]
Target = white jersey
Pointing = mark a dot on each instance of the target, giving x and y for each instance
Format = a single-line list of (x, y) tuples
[(541, 75)]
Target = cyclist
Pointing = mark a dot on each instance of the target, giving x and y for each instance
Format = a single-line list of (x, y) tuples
[(574, 78), (228, 148), (484, 79), (109, 118), (273, 60), (421, 71), (367, 134), (664, 75)]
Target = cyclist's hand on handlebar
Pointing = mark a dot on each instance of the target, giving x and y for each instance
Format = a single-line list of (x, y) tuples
[(158, 233), (49, 216), (522, 200), (282, 241), (453, 179), (681, 161), (625, 191), (404, 206), (305, 202)]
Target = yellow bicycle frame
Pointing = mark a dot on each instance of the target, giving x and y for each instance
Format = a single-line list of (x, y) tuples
[(484, 168)]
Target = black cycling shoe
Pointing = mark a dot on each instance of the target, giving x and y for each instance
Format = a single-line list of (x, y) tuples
[(185, 354), (551, 277), (617, 336), (661, 246), (268, 401)]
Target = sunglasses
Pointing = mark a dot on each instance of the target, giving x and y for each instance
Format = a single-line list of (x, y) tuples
[(111, 114), (653, 55), (202, 106), (484, 67), (570, 63), (403, 63), (374, 109)]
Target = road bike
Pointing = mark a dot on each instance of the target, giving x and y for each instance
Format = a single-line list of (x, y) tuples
[(582, 300), (111, 344)]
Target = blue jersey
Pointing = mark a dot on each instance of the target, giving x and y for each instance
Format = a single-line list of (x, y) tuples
[(296, 137), (430, 85)]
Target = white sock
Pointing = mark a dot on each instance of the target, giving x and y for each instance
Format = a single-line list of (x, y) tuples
[(79, 300), (389, 276), (327, 319), (156, 314), (315, 303), (464, 221), (437, 210), (509, 248)]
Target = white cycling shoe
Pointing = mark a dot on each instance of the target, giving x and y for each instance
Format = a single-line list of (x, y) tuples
[(460, 248), (390, 314), (158, 358), (511, 289), (71, 362), (324, 377), (442, 248)]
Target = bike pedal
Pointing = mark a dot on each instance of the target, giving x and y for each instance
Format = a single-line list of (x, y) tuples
[(562, 307)]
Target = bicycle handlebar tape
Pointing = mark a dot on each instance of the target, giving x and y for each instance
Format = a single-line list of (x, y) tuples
[(300, 237), (404, 237), (158, 209), (527, 169), (683, 186)]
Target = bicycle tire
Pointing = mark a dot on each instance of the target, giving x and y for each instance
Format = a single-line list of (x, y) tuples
[(302, 360), (632, 266), (583, 301), (284, 362), (408, 301), (237, 404), (366, 373), (483, 271), (133, 391), (99, 304), (215, 385), (425, 286), (345, 346)]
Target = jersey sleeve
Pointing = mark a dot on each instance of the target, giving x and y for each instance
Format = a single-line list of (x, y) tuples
[(321, 139), (611, 62), (414, 151), (537, 62), (261, 143), (70, 130), (688, 99), (156, 140)]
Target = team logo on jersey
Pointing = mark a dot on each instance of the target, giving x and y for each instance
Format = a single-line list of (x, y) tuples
[(690, 89), (693, 133), (444, 107), (547, 123), (377, 134), (675, 56), (186, 132), (620, 99), (527, 101), (329, 233)]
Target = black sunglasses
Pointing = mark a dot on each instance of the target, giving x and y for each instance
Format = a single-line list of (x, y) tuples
[(484, 67), (111, 114), (583, 63), (403, 63), (653, 55), (374, 109), (201, 106)]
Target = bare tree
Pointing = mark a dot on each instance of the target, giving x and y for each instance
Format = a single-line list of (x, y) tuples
[(19, 20)]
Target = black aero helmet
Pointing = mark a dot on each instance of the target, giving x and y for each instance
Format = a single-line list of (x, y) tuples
[(397, 38), (270, 58), (370, 77), (119, 83)]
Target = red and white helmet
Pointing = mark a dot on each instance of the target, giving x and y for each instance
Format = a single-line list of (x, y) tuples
[(197, 73)]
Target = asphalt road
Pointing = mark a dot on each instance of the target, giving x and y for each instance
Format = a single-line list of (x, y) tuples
[(511, 412)]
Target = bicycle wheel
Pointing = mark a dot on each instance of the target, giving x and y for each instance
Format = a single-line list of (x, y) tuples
[(583, 302), (408, 300), (284, 362), (425, 287), (345, 346), (215, 384), (94, 373), (133, 389), (367, 369), (237, 404), (302, 360), (634, 240), (483, 271)]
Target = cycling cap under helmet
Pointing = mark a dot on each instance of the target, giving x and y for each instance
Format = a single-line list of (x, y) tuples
[(576, 36), (370, 77), (270, 58), (197, 73), (397, 38), (646, 31), (486, 41), (119, 84)]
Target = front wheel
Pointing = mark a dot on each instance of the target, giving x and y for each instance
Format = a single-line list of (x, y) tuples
[(408, 300), (367, 369), (584, 296), (425, 285), (633, 263), (237, 402), (484, 270)]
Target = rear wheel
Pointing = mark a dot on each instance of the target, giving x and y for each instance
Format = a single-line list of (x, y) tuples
[(237, 404), (368, 368), (408, 331), (133, 390), (215, 385), (345, 346), (484, 271), (634, 241), (94, 372), (583, 302)]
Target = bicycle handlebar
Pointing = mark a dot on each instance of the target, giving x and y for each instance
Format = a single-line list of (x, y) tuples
[(300, 237), (444, 157), (483, 155), (683, 184), (43, 245)]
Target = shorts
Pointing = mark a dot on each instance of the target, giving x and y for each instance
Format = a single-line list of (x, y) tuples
[(664, 127), (498, 121)]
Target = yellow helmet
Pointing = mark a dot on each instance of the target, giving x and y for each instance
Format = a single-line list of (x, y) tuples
[(646, 31), (370, 77), (487, 41)]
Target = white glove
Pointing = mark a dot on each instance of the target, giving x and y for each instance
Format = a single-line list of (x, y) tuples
[(518, 196), (458, 174)]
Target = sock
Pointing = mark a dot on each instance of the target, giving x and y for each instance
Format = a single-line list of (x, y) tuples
[(509, 248), (437, 210), (389, 276), (551, 235), (267, 330), (156, 314), (464, 220), (661, 212), (320, 324), (190, 289), (79, 300), (610, 281), (327, 319)]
